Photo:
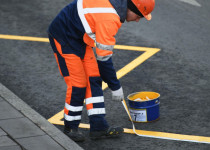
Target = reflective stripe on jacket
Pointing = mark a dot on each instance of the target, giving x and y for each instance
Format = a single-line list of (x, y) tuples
[(101, 23)]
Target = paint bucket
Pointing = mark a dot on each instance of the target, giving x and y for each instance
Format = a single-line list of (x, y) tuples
[(144, 106)]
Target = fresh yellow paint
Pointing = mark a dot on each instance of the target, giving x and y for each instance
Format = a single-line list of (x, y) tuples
[(143, 133), (23, 38)]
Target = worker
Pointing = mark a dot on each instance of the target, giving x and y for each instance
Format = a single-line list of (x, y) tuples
[(80, 26)]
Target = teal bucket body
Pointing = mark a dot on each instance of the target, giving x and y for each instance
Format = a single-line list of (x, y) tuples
[(144, 110)]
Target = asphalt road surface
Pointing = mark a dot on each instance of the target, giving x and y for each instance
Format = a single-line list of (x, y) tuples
[(180, 71)]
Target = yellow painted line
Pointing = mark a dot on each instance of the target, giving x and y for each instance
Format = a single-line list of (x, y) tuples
[(23, 38), (133, 64), (134, 48), (170, 136), (136, 62), (152, 134), (39, 39)]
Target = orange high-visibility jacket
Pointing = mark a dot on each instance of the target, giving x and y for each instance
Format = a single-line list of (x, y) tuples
[(101, 23), (85, 22)]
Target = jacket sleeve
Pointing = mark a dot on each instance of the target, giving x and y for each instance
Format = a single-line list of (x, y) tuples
[(105, 41)]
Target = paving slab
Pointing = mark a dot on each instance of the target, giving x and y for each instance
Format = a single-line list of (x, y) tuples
[(2, 132), (6, 141), (16, 147), (20, 127), (7, 111), (39, 143)]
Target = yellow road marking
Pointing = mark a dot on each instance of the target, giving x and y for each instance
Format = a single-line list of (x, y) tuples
[(23, 38), (170, 136), (148, 52), (151, 134)]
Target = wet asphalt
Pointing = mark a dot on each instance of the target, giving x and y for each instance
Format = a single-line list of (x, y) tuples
[(180, 72)]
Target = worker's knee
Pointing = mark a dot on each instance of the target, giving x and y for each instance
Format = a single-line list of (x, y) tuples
[(77, 81)]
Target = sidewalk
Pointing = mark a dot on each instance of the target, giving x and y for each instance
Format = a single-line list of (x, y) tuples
[(23, 128)]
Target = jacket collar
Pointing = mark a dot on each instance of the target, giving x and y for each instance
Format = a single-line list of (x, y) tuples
[(121, 7)]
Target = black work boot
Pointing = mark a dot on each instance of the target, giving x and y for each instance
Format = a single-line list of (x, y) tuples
[(74, 134), (111, 132)]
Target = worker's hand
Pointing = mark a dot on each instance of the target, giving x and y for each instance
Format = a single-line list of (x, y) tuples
[(118, 95)]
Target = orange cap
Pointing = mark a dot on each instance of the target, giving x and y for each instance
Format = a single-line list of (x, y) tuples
[(145, 7)]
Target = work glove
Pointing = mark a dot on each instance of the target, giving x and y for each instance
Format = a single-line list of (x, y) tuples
[(118, 95)]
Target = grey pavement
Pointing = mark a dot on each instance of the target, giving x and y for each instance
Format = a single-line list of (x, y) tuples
[(23, 128)]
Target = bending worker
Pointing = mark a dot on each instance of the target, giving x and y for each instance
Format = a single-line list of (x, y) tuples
[(73, 33)]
